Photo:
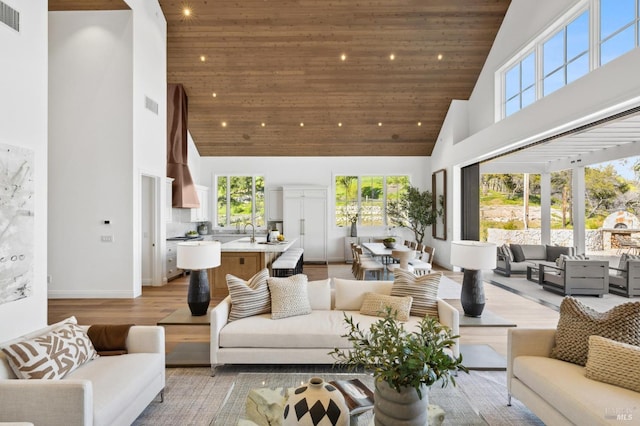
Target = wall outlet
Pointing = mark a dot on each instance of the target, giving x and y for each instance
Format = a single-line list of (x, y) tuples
[(106, 238), (49, 279)]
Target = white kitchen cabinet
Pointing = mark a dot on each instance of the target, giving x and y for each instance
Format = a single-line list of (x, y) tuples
[(305, 218), (274, 204), (168, 200), (171, 257), (201, 214)]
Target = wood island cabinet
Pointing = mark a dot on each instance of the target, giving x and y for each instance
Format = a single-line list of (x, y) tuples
[(241, 264)]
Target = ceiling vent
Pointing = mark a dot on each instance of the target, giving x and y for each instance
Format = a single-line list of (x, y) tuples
[(9, 16), (151, 105)]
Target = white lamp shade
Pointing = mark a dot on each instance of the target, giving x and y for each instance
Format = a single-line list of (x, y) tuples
[(476, 255), (197, 255)]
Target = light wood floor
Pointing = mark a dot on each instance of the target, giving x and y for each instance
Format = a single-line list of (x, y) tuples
[(158, 302)]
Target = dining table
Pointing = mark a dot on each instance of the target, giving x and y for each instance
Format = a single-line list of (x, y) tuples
[(389, 255)]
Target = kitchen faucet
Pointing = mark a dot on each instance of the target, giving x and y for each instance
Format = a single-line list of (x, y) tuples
[(253, 232)]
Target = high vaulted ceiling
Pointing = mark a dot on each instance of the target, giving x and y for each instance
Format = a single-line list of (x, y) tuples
[(274, 64)]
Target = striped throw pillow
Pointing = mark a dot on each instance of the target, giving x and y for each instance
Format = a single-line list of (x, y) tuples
[(563, 257), (249, 298), (289, 296), (423, 289)]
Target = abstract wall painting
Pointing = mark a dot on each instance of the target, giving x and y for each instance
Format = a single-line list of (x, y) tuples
[(16, 223)]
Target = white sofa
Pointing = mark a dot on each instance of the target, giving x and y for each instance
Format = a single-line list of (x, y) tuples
[(304, 339), (109, 390), (558, 392)]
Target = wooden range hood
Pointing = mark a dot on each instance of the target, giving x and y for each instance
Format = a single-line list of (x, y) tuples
[(183, 190)]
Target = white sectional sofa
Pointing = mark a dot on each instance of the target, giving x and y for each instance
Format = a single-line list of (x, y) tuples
[(109, 390), (304, 339), (559, 392)]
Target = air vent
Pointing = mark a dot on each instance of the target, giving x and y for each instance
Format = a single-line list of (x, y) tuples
[(9, 16), (151, 105)]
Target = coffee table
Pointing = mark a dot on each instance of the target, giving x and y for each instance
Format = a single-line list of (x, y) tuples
[(455, 404)]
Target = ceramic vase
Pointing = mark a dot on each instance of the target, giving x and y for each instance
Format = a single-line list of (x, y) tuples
[(316, 403), (405, 408), (354, 230)]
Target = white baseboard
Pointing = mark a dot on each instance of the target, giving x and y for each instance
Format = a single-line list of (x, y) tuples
[(84, 294)]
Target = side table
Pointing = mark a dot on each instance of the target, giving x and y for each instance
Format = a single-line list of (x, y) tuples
[(534, 275), (187, 354)]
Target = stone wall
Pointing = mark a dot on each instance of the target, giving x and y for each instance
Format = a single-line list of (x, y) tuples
[(560, 237)]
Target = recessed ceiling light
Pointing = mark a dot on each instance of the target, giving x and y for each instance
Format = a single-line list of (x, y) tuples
[(214, 94), (339, 124), (392, 56), (379, 123), (224, 124), (419, 123), (263, 124), (203, 58), (439, 56), (186, 11), (343, 57), (301, 124)]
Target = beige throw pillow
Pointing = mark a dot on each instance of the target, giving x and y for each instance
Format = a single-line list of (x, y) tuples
[(249, 298), (423, 289), (577, 322), (289, 296), (51, 355), (376, 304), (612, 362)]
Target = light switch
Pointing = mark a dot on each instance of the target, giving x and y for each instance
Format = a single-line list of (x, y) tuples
[(107, 238)]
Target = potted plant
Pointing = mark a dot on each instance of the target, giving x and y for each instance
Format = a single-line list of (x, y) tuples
[(404, 363), (389, 242), (414, 210)]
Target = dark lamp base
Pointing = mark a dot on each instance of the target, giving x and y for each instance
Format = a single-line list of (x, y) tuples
[(472, 295), (198, 296)]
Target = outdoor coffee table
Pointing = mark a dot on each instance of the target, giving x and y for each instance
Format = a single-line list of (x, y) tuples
[(458, 409)]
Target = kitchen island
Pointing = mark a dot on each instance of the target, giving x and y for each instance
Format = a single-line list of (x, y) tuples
[(244, 259)]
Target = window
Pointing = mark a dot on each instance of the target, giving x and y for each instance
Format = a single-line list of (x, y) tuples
[(565, 55), (240, 200), (367, 197), (567, 50), (619, 29), (520, 85)]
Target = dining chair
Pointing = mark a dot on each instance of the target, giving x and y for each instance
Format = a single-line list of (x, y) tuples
[(367, 264)]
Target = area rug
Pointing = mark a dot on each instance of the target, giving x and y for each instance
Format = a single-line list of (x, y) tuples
[(193, 397)]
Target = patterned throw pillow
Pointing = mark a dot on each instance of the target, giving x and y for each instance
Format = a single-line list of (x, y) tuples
[(506, 252), (601, 368), (249, 298), (577, 322), (376, 304), (423, 289), (289, 296), (52, 355), (563, 257)]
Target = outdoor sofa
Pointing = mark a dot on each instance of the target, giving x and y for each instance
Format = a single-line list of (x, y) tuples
[(108, 390), (304, 339), (515, 258)]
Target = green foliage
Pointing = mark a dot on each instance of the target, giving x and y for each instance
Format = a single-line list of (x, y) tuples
[(399, 357), (594, 222), (414, 210)]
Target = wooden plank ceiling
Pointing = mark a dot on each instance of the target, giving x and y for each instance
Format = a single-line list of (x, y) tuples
[(278, 62), (274, 64), (77, 5)]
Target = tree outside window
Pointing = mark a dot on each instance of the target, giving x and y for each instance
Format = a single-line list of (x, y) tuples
[(240, 200)]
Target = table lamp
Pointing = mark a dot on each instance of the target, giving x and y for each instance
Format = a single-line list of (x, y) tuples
[(198, 256), (473, 257)]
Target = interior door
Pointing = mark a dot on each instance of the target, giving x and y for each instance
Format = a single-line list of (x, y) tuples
[(315, 226)]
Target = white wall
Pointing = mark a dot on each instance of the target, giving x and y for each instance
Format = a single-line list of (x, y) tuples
[(91, 154), (609, 89), (23, 123), (318, 171), (103, 140), (149, 129)]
